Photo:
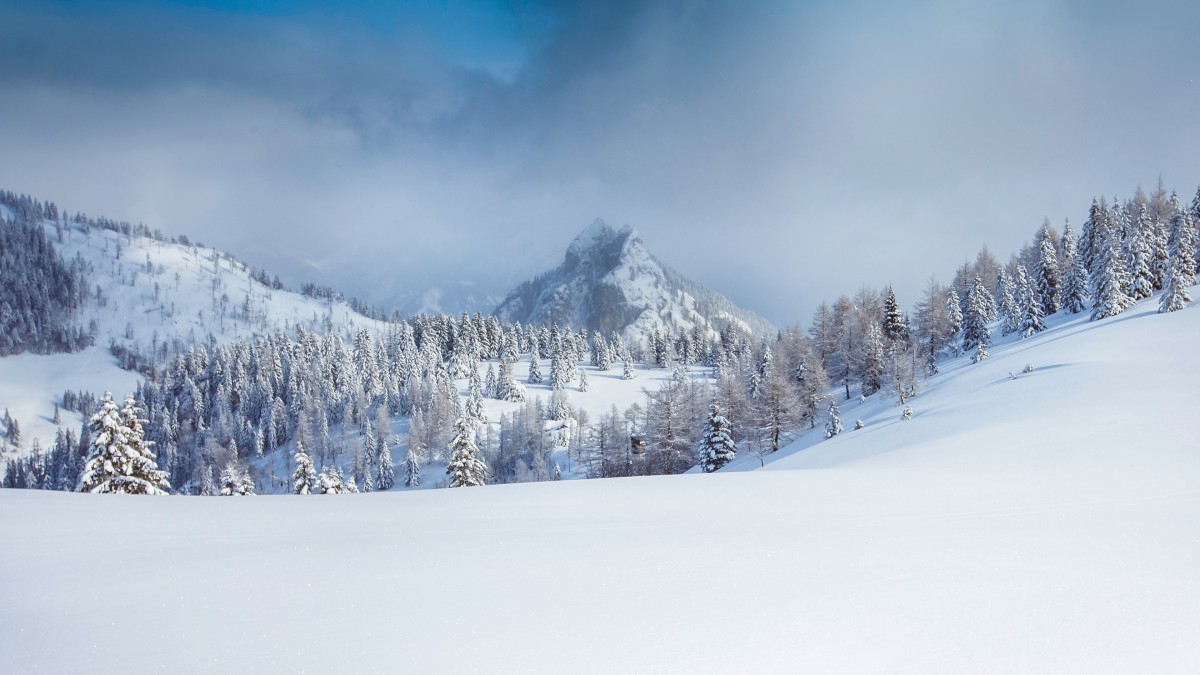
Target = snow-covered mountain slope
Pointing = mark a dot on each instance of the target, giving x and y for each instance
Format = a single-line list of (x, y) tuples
[(1046, 523), (610, 282), (147, 292)]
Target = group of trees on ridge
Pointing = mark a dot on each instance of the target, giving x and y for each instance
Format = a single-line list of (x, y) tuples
[(215, 409)]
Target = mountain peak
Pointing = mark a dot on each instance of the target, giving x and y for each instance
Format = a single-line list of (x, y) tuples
[(609, 282)]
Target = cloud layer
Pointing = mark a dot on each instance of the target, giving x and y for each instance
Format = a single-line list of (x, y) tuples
[(781, 153)]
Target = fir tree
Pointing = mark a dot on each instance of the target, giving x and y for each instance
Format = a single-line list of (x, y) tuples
[(628, 372), (583, 381), (834, 426), (1010, 312), (385, 471), (120, 460), (330, 481), (466, 468), (304, 478), (236, 481), (1139, 259), (1108, 296), (873, 362), (535, 370), (412, 469), (716, 446), (975, 320), (895, 328), (1074, 295), (1175, 297), (1032, 302), (1046, 280)]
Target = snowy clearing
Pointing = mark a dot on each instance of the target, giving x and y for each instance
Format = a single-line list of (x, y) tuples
[(1045, 523)]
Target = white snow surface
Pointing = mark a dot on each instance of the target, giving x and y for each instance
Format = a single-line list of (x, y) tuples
[(1047, 523)]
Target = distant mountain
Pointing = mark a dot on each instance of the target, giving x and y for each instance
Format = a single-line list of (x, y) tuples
[(610, 282)]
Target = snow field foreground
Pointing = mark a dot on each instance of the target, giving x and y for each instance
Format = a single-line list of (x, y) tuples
[(1046, 523)]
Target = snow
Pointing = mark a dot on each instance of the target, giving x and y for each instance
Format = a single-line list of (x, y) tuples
[(1044, 523), (185, 308), (30, 384)]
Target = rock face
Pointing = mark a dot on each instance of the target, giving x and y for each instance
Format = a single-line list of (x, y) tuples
[(610, 282)]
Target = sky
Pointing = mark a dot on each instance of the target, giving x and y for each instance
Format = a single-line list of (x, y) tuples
[(781, 153)]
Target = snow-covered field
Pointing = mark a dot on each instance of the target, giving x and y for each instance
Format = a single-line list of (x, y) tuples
[(1048, 523)]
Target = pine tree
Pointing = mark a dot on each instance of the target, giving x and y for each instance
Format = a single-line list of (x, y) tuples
[(873, 362), (412, 469), (120, 460), (304, 478), (1108, 297), (895, 328), (236, 481), (1010, 312), (628, 373), (954, 308), (975, 320), (1046, 280), (466, 468), (1139, 259), (583, 381), (1032, 302), (385, 471), (1074, 295), (834, 426), (716, 446), (560, 373), (330, 481), (1181, 264), (535, 370)]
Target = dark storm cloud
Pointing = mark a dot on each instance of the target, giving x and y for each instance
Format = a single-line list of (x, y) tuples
[(779, 152)]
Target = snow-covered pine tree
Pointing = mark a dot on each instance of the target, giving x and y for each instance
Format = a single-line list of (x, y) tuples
[(628, 372), (1108, 296), (490, 389), (1139, 259), (895, 328), (954, 308), (474, 408), (411, 469), (119, 460), (873, 362), (716, 446), (1182, 244), (1074, 295), (1032, 302), (1010, 312), (1180, 266), (834, 426), (330, 481), (975, 320), (560, 371), (1046, 281), (466, 468), (535, 370), (236, 481), (583, 381), (304, 478)]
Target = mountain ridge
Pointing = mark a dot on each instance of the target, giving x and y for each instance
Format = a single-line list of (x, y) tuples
[(610, 282)]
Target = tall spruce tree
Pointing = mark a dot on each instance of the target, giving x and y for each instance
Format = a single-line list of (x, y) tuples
[(1046, 274), (466, 468), (1108, 296), (120, 460), (716, 446), (1074, 296)]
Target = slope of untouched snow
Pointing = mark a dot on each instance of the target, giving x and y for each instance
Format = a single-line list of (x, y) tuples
[(1048, 523), (30, 384), (146, 294), (153, 292)]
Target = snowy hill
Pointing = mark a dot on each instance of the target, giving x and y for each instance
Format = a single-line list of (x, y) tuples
[(1042, 523), (609, 282), (150, 299)]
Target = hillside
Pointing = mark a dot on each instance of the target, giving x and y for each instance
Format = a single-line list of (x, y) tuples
[(1042, 523), (150, 300), (609, 282)]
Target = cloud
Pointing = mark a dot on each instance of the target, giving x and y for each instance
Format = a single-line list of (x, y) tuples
[(779, 152)]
